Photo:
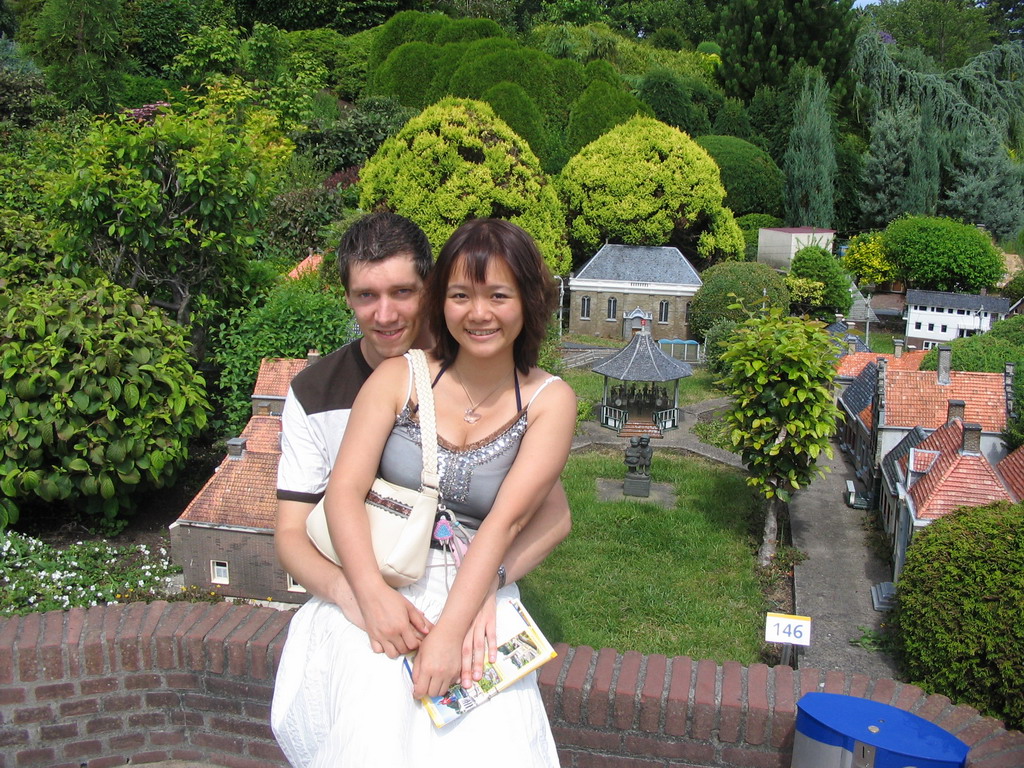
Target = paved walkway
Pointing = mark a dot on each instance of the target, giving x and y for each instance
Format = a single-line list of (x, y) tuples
[(833, 585)]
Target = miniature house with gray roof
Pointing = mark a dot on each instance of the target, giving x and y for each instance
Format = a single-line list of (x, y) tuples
[(624, 286), (934, 317)]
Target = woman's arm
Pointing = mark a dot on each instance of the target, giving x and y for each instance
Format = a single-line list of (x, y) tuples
[(393, 624), (545, 531), (541, 457)]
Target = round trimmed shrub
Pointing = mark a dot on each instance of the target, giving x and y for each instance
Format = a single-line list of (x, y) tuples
[(960, 599), (407, 74), (98, 398), (815, 263), (939, 254), (513, 105), (666, 94), (732, 120), (749, 281), (458, 160), (753, 182), (599, 109)]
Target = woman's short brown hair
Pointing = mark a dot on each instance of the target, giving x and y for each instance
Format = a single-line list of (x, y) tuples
[(475, 243)]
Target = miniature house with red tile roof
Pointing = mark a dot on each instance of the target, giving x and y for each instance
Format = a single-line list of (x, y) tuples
[(945, 470), (224, 540)]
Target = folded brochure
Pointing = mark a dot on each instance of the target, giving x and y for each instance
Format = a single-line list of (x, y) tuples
[(522, 648)]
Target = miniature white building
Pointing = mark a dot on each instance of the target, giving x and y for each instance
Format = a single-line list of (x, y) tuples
[(934, 317), (776, 246)]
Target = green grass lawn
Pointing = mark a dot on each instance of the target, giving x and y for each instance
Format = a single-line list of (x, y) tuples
[(635, 576)]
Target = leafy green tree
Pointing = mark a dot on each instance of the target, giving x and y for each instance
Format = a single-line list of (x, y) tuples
[(167, 203), (693, 20), (939, 254), (949, 32), (79, 44), (973, 559), (867, 259), (1006, 17), (98, 398), (850, 152), (155, 30), (815, 263), (1014, 288), (279, 327), (763, 39), (779, 373), (645, 183), (8, 23), (21, 83), (810, 162), (457, 160), (729, 287), (753, 182)]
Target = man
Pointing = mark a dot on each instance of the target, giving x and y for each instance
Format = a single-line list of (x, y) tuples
[(383, 261)]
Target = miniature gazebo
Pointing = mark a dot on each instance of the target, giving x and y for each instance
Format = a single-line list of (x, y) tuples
[(641, 397)]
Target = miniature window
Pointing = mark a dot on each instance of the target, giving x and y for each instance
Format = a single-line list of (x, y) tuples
[(943, 329), (613, 306), (219, 572), (917, 326), (663, 312), (585, 308), (293, 585), (931, 326)]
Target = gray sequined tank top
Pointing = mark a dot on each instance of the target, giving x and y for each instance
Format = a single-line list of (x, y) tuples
[(470, 476)]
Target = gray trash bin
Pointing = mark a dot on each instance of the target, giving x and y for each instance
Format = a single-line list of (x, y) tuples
[(836, 731)]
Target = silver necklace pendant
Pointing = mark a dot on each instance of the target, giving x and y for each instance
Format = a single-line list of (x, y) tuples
[(470, 416)]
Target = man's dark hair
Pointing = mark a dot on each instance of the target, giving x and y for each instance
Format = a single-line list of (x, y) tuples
[(379, 236), (475, 243)]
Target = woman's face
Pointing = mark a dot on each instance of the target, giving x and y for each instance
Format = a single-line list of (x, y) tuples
[(484, 318)]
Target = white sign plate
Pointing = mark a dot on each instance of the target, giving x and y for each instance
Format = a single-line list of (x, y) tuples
[(784, 628)]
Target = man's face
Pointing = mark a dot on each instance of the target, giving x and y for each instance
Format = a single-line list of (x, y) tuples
[(385, 297)]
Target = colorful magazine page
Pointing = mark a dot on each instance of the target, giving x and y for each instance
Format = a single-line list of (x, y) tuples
[(522, 648)]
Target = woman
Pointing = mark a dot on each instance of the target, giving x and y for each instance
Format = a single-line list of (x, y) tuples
[(504, 431)]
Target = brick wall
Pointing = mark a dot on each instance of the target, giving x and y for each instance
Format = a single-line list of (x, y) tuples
[(138, 683)]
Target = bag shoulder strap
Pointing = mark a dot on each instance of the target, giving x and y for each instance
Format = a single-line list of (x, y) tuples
[(428, 425)]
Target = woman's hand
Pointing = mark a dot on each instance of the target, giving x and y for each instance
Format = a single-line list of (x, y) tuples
[(480, 643), (395, 625), (437, 664)]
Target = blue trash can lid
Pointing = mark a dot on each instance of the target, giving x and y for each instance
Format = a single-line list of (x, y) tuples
[(896, 735)]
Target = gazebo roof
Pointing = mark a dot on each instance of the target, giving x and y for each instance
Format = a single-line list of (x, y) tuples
[(642, 360)]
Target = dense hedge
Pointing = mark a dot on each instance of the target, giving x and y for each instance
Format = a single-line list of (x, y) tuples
[(813, 262), (960, 600), (753, 182)]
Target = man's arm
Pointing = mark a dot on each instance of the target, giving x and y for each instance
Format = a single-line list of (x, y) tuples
[(303, 561), (547, 529)]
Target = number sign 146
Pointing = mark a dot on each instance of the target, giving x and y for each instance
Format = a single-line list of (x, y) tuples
[(783, 628)]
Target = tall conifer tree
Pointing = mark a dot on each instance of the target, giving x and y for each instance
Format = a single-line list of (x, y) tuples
[(810, 162)]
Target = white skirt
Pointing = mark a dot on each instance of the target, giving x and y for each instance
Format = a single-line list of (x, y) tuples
[(337, 703)]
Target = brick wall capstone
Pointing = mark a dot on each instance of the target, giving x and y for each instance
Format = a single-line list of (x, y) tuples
[(134, 684)]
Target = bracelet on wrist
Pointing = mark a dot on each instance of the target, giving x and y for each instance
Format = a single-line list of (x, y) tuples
[(501, 576)]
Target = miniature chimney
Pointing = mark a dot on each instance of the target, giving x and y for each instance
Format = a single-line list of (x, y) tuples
[(312, 356), (945, 363), (972, 439), (898, 345), (851, 344), (955, 410), (236, 448)]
